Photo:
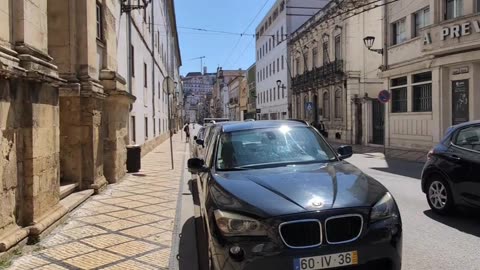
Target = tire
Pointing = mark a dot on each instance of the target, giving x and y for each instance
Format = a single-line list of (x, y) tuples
[(439, 195)]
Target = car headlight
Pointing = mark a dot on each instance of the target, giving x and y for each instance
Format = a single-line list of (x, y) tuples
[(384, 208), (231, 224)]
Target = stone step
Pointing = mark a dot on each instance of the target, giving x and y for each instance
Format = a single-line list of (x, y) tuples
[(75, 199), (66, 190)]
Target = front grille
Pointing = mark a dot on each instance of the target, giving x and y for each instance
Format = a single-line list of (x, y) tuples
[(301, 233), (341, 229)]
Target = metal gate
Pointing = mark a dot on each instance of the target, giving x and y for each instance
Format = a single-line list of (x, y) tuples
[(378, 118)]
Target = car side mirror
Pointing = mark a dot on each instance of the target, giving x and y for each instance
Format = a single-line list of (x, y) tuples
[(345, 151), (195, 138), (199, 142), (196, 165)]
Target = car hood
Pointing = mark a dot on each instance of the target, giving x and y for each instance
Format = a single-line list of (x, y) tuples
[(295, 188)]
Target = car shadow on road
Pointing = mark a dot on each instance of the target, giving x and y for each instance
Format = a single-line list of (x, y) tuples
[(404, 168), (193, 254), (464, 221)]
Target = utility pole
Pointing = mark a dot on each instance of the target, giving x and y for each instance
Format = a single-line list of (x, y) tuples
[(201, 62)]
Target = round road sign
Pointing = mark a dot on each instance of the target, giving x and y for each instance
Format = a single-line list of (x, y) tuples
[(384, 96)]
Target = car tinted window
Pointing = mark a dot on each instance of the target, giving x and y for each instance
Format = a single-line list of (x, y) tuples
[(469, 138), (271, 147)]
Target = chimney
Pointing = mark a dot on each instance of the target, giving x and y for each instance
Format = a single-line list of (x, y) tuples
[(204, 70)]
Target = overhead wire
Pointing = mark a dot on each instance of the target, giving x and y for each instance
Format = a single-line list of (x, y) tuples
[(244, 32)]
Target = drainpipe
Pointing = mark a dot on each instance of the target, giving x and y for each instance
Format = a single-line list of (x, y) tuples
[(153, 61), (129, 48)]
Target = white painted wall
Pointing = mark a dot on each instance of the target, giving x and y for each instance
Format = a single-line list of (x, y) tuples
[(151, 102)]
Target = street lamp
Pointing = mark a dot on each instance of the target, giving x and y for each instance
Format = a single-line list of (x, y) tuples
[(369, 41)]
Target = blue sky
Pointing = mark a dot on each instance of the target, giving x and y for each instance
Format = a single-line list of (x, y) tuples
[(219, 49)]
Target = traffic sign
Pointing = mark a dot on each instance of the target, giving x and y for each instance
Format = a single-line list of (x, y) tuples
[(309, 106), (384, 96)]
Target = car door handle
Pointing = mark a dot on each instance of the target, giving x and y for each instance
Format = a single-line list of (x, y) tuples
[(454, 157)]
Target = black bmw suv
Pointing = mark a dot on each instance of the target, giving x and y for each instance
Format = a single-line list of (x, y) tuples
[(275, 195)]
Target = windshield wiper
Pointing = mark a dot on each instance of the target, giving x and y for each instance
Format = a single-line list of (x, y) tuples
[(232, 169)]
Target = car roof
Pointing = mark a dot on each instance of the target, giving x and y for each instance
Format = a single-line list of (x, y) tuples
[(238, 126), (476, 122)]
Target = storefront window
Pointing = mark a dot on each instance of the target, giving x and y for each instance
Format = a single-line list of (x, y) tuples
[(399, 94), (422, 92), (454, 9)]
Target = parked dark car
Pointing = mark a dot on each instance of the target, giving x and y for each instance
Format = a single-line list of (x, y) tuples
[(451, 175), (275, 195)]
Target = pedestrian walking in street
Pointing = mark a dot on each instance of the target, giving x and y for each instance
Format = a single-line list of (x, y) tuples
[(186, 128)]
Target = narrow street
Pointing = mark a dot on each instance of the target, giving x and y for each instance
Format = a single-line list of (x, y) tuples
[(149, 218), (429, 241)]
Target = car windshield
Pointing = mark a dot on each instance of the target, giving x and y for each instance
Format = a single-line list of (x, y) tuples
[(270, 147)]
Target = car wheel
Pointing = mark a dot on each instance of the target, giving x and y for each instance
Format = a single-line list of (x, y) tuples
[(439, 195)]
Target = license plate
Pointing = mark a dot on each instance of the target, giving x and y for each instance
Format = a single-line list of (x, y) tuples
[(326, 261)]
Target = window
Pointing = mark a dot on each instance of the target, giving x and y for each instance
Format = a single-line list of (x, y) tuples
[(144, 75), (469, 138), (282, 62), (133, 128), (399, 94), (270, 69), (338, 47), (278, 92), (149, 24), (132, 64), (278, 64), (99, 21), (273, 41), (478, 5), (326, 105), (269, 44), (278, 37), (273, 66), (421, 19), (296, 145), (283, 92), (144, 15), (274, 93), (325, 53), (398, 32), (314, 57), (297, 65), (160, 125), (305, 62), (281, 32), (271, 94), (338, 103), (454, 9), (422, 92)]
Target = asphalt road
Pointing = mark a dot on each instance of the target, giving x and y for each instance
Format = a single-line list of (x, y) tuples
[(430, 241)]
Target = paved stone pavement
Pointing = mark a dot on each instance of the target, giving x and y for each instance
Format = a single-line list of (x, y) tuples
[(129, 226)]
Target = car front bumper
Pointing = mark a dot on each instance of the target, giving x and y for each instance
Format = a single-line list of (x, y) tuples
[(380, 247)]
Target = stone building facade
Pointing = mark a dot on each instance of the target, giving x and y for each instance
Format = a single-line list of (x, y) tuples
[(334, 75), (433, 69), (64, 109)]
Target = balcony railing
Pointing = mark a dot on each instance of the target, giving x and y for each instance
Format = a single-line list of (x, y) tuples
[(326, 75)]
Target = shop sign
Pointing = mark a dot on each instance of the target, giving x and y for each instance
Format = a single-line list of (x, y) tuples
[(455, 31)]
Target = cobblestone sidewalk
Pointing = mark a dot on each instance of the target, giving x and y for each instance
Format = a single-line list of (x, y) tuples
[(129, 226)]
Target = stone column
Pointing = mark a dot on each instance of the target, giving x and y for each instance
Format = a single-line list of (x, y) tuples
[(37, 94), (116, 112)]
